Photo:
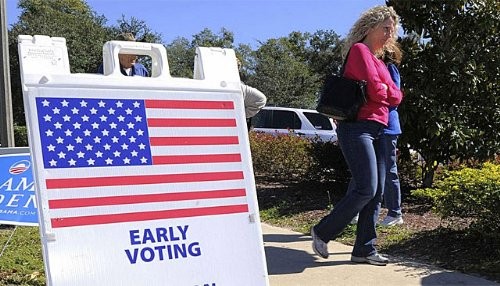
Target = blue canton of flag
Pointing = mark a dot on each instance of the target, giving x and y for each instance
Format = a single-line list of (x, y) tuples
[(86, 132)]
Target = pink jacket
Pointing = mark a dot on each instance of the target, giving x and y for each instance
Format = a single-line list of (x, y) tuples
[(363, 65)]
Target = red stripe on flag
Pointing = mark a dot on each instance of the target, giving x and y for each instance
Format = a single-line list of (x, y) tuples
[(141, 180), (191, 122), (205, 140), (189, 104), (190, 159), (144, 216), (139, 199)]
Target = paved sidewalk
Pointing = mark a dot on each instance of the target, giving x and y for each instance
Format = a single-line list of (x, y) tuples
[(290, 262)]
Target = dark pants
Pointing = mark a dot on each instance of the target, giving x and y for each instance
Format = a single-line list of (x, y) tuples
[(392, 190), (363, 153)]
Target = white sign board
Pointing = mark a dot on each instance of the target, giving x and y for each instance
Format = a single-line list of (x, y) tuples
[(143, 181)]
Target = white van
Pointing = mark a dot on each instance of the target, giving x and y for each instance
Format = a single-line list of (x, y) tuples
[(303, 122)]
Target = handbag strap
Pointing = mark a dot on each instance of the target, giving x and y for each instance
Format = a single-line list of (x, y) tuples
[(345, 61)]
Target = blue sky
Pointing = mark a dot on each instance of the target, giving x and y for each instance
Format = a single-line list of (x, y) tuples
[(251, 21)]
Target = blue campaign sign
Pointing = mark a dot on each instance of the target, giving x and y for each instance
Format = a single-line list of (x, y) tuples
[(17, 190)]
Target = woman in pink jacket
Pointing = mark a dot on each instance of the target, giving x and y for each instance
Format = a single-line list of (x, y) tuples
[(360, 139)]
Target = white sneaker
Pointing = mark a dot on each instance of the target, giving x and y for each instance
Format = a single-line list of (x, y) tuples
[(319, 246), (375, 259), (355, 219), (392, 221)]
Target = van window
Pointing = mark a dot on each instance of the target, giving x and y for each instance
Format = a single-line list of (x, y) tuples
[(319, 121), (262, 119), (277, 119)]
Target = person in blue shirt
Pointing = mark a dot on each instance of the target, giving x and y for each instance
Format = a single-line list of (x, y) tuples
[(392, 188), (128, 63)]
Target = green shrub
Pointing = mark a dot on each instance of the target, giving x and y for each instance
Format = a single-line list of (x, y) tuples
[(20, 136), (328, 162), (282, 156), (468, 193), (288, 156), (409, 169)]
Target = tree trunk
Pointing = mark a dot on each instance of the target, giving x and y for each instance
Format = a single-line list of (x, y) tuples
[(428, 174)]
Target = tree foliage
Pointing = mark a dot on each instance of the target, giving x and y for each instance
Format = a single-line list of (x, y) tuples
[(138, 28), (57, 18), (323, 53), (207, 38), (282, 74), (290, 70), (450, 70), (180, 57)]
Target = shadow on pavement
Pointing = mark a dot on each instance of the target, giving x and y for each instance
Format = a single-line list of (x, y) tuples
[(289, 261), (432, 275), (285, 238), (282, 260), (449, 278)]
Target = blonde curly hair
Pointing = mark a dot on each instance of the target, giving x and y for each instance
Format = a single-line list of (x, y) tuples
[(369, 19), (392, 52)]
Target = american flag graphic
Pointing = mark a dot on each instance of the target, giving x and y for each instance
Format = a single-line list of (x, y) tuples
[(122, 160)]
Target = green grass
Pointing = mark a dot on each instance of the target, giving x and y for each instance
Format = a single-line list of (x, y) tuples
[(394, 235), (303, 221), (21, 262)]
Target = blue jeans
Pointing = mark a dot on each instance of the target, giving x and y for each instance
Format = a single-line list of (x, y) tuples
[(392, 189), (363, 153)]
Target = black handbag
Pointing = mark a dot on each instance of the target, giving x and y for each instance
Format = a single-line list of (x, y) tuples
[(341, 97)]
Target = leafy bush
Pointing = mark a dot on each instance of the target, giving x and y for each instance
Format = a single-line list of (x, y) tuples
[(468, 193), (282, 156), (291, 157), (328, 162), (20, 136), (410, 169)]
